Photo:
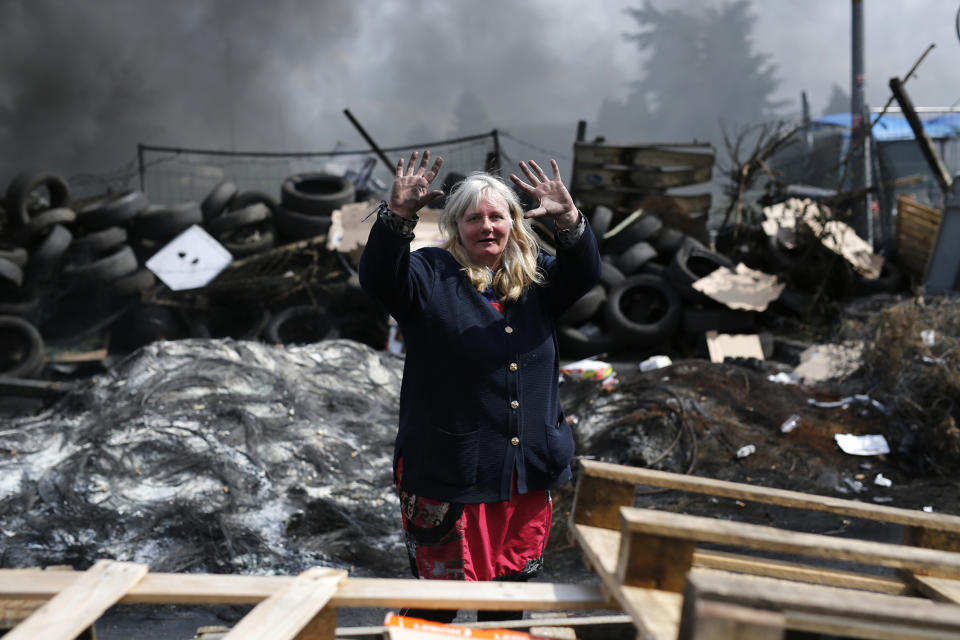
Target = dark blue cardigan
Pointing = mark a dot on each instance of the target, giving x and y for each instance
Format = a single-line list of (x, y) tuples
[(480, 390)]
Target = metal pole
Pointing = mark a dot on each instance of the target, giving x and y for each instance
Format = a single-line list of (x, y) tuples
[(373, 145), (860, 125)]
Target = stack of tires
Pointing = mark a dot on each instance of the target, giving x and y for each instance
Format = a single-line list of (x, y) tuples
[(306, 202), (243, 222), (645, 298)]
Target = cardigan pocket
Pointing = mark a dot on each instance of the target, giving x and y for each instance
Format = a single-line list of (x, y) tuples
[(559, 444), (451, 458)]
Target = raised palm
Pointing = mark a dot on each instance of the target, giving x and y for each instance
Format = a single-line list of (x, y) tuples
[(410, 191), (551, 194)]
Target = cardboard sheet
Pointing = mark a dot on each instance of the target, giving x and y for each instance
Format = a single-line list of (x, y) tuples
[(745, 288)]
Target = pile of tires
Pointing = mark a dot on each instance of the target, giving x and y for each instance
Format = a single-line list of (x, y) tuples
[(307, 201), (645, 299)]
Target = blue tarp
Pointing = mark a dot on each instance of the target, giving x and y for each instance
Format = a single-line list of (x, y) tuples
[(894, 126)]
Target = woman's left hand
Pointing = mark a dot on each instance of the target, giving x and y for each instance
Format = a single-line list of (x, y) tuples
[(555, 201)]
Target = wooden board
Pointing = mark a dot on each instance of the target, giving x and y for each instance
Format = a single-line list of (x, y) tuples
[(943, 589), (680, 526), (606, 176), (917, 229), (820, 609), (286, 613), (739, 563), (189, 588), (67, 614), (655, 613), (766, 495), (643, 155)]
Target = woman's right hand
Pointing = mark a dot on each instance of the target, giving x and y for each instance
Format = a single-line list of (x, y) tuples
[(409, 192)]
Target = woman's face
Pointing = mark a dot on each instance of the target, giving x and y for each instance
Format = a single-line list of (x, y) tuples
[(484, 231)]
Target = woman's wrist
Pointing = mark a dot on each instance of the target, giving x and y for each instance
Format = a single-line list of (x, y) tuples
[(568, 220)]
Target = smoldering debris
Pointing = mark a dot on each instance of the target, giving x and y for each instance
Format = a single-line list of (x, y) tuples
[(212, 456)]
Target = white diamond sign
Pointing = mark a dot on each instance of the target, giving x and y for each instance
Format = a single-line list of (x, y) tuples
[(189, 261)]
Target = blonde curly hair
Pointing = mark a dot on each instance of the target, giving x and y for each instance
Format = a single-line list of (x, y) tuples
[(518, 264)]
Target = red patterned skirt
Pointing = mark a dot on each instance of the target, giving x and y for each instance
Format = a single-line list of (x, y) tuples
[(489, 541)]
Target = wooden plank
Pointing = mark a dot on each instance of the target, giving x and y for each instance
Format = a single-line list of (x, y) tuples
[(67, 614), (654, 562), (641, 155), (655, 613), (605, 176), (738, 563), (725, 532), (709, 620), (766, 495), (942, 589), (597, 501), (845, 612), (286, 613), (177, 588)]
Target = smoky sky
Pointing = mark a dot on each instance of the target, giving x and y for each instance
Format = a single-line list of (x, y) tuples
[(81, 83)]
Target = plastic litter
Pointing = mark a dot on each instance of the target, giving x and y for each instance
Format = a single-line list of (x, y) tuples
[(655, 362), (882, 481), (746, 450), (790, 424), (784, 378), (928, 509), (588, 369), (868, 445), (860, 398), (929, 337)]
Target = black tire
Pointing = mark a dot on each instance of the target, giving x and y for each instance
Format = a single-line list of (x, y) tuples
[(233, 220), (630, 261), (644, 228), (316, 193), (41, 223), (600, 222), (891, 279), (610, 276), (246, 242), (165, 224), (15, 254), (247, 198), (120, 262), (20, 303), (584, 308), (21, 348), (44, 262), (301, 324), (575, 343), (113, 210), (98, 242), (132, 284), (690, 263), (669, 241), (218, 200), (293, 225), (11, 272), (19, 204), (643, 311), (239, 323)]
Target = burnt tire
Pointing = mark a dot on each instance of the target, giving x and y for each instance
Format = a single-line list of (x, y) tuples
[(15, 254), (21, 348), (132, 284), (891, 279), (120, 262), (316, 193), (112, 210), (600, 222), (11, 272), (690, 263), (301, 324), (585, 307), (164, 224), (247, 198), (669, 241), (576, 342), (98, 242), (646, 227), (630, 261), (45, 260), (233, 220), (610, 276), (218, 200), (20, 198), (40, 224), (643, 311), (293, 225), (248, 241)]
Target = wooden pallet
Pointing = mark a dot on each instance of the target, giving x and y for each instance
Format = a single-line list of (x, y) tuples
[(649, 561), (302, 607)]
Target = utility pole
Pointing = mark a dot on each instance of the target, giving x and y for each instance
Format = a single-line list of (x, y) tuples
[(862, 220)]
